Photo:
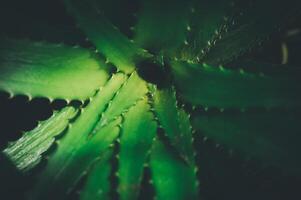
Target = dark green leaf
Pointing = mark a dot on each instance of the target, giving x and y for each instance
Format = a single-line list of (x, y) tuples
[(207, 20), (272, 136), (200, 84), (162, 24), (97, 185), (255, 24)]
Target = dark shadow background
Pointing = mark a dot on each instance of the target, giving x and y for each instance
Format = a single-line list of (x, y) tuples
[(231, 177)]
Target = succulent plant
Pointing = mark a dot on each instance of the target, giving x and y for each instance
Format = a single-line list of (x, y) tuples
[(147, 86)]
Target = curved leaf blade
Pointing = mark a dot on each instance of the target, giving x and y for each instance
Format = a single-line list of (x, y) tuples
[(115, 46), (47, 70), (79, 146), (207, 19), (129, 94), (257, 23), (175, 123), (137, 134)]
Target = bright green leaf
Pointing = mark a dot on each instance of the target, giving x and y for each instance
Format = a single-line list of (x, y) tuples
[(175, 122), (116, 47), (48, 70), (137, 134), (172, 178), (131, 91), (82, 144)]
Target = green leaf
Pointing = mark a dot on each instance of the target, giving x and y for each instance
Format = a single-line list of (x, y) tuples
[(122, 16), (61, 179), (81, 142), (26, 152), (116, 47), (175, 122), (172, 178), (207, 19), (162, 24), (256, 24), (271, 136), (137, 134), (132, 91), (200, 84), (79, 145), (47, 70), (268, 69), (97, 185)]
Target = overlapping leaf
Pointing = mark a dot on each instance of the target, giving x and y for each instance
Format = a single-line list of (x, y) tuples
[(172, 178), (123, 16), (197, 31), (170, 17), (138, 132), (79, 146), (91, 134), (133, 90), (255, 24), (97, 185), (175, 122), (207, 19), (116, 47)]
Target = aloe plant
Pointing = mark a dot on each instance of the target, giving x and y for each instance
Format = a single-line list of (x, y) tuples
[(175, 64)]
